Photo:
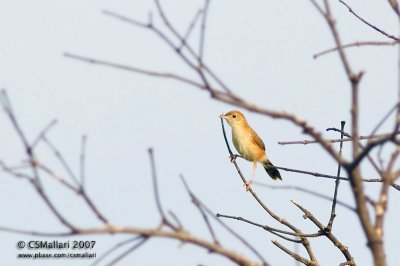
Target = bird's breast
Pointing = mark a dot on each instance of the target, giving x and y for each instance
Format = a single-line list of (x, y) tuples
[(244, 144)]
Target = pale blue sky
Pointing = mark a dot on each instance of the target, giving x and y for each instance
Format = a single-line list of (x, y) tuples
[(261, 49)]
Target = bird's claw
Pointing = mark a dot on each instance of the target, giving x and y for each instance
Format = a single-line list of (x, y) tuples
[(248, 185), (233, 157)]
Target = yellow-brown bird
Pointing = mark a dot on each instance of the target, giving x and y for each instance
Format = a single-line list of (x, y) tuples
[(249, 144)]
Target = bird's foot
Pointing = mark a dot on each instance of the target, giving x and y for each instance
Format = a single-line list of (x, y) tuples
[(233, 157), (248, 185)]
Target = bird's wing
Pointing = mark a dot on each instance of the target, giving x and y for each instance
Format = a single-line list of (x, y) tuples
[(257, 140)]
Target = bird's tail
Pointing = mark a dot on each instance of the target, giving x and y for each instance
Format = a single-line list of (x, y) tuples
[(271, 170)]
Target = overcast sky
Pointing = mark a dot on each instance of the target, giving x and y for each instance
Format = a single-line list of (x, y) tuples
[(263, 50)]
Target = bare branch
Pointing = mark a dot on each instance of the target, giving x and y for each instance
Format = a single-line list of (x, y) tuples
[(129, 251), (190, 28), (114, 248), (367, 23), (43, 133), (370, 159), (164, 218), (316, 174), (61, 159), (36, 233), (355, 44), (203, 31), (395, 6), (292, 254), (81, 189), (328, 233), (269, 228), (202, 212), (82, 161), (93, 207), (306, 142), (176, 219), (308, 191), (11, 171), (385, 117), (318, 7), (136, 70), (56, 177), (333, 210)]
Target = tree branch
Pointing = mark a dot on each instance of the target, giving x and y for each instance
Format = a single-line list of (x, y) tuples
[(367, 23)]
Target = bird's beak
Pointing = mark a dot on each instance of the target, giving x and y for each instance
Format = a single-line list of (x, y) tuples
[(222, 116)]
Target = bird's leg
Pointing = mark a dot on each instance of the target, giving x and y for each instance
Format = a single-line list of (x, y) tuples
[(248, 184), (233, 157)]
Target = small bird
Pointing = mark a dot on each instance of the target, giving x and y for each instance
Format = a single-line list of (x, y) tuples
[(249, 144)]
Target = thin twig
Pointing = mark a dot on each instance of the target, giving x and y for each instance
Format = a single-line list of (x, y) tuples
[(128, 251), (93, 207), (13, 172), (306, 142), (164, 218), (82, 161), (335, 34), (190, 28), (328, 233), (80, 190), (176, 219), (395, 6), (385, 117), (367, 23), (203, 31), (359, 156), (202, 212), (269, 228), (56, 177), (318, 7), (44, 132), (114, 248), (292, 254), (368, 180), (225, 138), (308, 191), (369, 157), (356, 44), (337, 181), (61, 159), (136, 70), (36, 233)]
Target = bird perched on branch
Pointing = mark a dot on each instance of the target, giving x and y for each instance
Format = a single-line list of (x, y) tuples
[(249, 145)]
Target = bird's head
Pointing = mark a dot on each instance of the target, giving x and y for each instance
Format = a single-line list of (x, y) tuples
[(234, 118)]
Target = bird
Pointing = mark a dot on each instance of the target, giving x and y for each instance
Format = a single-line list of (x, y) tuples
[(249, 145)]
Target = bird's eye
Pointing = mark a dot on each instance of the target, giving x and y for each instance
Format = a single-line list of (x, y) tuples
[(234, 116)]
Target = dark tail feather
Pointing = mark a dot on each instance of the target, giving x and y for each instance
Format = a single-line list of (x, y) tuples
[(271, 170)]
